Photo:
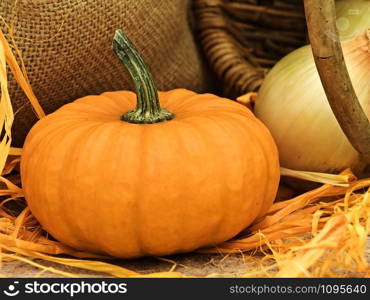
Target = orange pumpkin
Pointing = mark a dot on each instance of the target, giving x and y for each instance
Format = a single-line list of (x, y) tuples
[(191, 176)]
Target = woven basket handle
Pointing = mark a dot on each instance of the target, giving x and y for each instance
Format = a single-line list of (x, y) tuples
[(328, 54)]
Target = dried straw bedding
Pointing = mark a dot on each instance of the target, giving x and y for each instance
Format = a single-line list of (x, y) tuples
[(320, 233)]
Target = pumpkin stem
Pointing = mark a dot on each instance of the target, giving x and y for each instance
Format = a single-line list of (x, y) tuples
[(148, 109)]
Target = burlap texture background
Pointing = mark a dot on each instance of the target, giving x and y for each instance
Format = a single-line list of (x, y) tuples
[(66, 47)]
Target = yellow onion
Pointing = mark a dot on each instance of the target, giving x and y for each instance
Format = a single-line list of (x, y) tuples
[(353, 17), (293, 105)]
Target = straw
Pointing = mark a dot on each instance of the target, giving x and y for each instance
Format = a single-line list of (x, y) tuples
[(320, 233)]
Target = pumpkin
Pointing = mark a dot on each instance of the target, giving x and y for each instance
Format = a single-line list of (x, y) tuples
[(103, 176)]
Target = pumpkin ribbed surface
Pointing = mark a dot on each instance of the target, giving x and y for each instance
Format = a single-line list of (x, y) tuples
[(104, 185)]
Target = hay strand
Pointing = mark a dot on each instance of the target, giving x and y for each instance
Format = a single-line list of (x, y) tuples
[(19, 75), (313, 234)]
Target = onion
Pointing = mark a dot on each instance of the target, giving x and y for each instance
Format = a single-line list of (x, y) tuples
[(353, 17), (293, 105)]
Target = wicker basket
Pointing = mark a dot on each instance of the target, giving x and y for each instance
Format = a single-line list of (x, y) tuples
[(244, 38)]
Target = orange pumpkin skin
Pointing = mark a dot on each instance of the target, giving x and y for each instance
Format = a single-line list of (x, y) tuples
[(103, 185)]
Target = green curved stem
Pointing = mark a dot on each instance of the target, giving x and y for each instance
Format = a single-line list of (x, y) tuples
[(148, 109)]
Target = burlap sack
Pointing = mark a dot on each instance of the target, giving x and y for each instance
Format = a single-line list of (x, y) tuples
[(66, 46)]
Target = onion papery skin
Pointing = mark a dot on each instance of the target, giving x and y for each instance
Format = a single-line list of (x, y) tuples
[(293, 105), (353, 17)]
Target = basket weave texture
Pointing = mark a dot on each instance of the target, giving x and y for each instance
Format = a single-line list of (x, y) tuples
[(243, 39)]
